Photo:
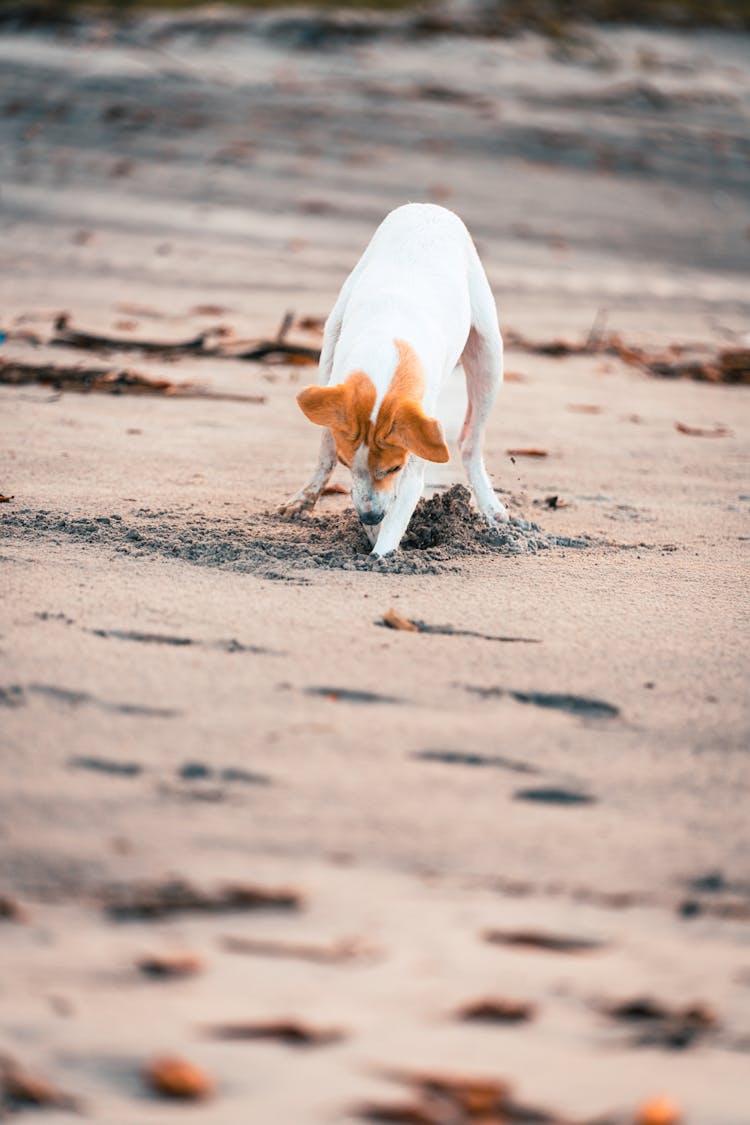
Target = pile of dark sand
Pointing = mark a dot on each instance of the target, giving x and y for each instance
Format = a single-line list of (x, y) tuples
[(443, 530)]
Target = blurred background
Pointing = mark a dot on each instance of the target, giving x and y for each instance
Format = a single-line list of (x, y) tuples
[(599, 153)]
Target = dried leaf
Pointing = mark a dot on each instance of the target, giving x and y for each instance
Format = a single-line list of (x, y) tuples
[(106, 380), (177, 896), (348, 949), (6, 499), (293, 1033), (531, 452), (661, 1026), (312, 324), (660, 1110), (537, 939), (209, 310), (700, 431), (20, 1087), (166, 965), (395, 620), (335, 490), (440, 1098), (497, 1010), (402, 1113), (174, 1077)]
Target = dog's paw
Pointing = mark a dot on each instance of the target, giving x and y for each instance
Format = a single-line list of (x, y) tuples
[(298, 507), (495, 513)]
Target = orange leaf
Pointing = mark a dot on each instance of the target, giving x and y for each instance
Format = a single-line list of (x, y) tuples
[(659, 1111), (176, 1078), (395, 620)]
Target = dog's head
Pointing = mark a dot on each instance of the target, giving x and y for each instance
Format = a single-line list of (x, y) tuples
[(376, 450)]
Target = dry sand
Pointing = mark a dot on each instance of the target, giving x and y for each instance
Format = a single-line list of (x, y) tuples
[(192, 687)]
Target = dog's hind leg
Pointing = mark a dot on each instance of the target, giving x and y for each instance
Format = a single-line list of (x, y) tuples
[(482, 361), (308, 496)]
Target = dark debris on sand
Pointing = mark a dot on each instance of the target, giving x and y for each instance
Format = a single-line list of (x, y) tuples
[(444, 530)]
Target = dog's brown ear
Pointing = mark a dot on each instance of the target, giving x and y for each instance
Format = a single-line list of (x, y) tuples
[(346, 406), (419, 433), (325, 406)]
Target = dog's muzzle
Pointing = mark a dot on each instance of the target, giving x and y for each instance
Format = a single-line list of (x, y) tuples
[(371, 517)]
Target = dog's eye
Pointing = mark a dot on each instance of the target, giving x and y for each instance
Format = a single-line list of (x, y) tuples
[(395, 469), (341, 461)]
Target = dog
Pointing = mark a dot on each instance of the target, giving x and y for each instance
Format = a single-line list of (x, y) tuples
[(417, 303)]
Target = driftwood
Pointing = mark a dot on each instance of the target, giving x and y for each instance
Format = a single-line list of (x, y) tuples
[(106, 380), (677, 361), (205, 344), (68, 337)]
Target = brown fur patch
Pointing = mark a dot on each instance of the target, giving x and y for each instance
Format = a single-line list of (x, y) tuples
[(401, 426), (345, 409)]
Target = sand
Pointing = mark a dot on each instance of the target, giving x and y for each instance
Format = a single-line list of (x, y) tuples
[(192, 688)]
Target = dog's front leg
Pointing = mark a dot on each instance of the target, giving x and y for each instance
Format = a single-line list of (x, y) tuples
[(397, 518), (306, 498)]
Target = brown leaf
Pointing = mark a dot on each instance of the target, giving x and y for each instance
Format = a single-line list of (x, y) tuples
[(335, 490), (171, 964), (6, 499), (312, 324), (734, 364), (659, 1025), (209, 310), (292, 1032), (174, 1077), (348, 949), (537, 939), (20, 1087), (402, 1113), (396, 620), (497, 1010), (177, 896), (531, 452), (471, 1095), (700, 431), (440, 1098)]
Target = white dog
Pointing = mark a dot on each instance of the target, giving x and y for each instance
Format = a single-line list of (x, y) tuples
[(416, 304)]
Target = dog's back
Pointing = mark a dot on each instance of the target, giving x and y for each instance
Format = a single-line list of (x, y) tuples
[(412, 283)]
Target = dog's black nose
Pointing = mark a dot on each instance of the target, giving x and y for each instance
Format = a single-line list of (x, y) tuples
[(371, 517)]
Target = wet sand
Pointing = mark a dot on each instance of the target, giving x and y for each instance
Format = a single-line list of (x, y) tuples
[(193, 688)]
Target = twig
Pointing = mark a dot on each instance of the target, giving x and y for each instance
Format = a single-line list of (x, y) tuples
[(108, 381), (273, 349), (286, 324), (91, 341), (269, 350), (596, 330)]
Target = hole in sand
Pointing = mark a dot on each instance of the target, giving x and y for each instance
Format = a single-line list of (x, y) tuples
[(444, 530)]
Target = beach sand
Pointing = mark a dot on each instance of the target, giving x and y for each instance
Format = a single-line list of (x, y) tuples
[(192, 688)]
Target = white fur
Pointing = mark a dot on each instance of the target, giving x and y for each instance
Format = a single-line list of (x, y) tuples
[(419, 280)]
